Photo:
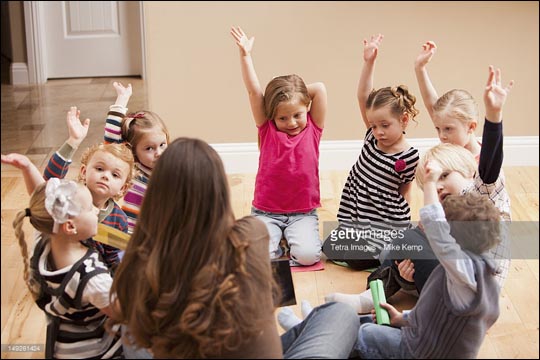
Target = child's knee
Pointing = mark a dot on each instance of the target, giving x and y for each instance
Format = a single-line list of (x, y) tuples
[(305, 255)]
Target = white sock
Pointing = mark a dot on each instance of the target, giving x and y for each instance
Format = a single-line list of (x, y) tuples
[(306, 308), (362, 303), (287, 319)]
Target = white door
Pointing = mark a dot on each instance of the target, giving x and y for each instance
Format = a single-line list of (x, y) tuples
[(91, 38)]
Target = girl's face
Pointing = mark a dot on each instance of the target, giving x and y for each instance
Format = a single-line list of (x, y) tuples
[(150, 147), (387, 128), (105, 175), (87, 221), (291, 117), (452, 130), (452, 182)]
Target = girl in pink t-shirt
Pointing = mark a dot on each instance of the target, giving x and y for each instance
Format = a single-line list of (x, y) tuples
[(290, 118)]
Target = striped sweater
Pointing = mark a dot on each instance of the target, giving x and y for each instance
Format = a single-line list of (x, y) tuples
[(135, 194), (72, 298)]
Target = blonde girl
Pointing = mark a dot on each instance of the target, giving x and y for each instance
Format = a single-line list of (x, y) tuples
[(290, 118), (147, 136), (68, 280), (454, 114)]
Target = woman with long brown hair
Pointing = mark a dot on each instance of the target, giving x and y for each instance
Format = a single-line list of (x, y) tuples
[(194, 282)]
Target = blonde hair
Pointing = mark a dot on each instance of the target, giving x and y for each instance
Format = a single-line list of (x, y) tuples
[(121, 151), (135, 126), (474, 221), (43, 222), (458, 104), (398, 98), (284, 88), (451, 157)]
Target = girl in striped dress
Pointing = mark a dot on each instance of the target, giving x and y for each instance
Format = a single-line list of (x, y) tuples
[(67, 279), (148, 137), (374, 202)]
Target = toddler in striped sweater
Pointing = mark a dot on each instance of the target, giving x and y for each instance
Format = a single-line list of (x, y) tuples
[(147, 136)]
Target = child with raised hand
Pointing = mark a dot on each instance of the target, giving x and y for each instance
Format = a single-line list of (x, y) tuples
[(374, 201), (455, 113), (106, 169), (460, 300), (290, 117), (68, 280), (146, 135), (461, 174)]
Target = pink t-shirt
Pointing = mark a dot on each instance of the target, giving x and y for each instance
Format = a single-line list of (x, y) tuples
[(288, 176)]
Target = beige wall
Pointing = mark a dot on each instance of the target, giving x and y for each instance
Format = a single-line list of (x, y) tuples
[(193, 70)]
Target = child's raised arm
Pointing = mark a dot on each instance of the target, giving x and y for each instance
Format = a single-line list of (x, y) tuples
[(77, 130), (495, 95), (59, 163), (32, 176), (117, 111), (427, 90), (319, 101), (253, 87), (365, 84)]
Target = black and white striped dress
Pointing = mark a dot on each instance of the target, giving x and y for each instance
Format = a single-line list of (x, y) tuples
[(76, 327), (370, 197)]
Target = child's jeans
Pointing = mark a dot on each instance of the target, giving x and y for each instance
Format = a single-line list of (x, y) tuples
[(301, 230), (379, 342)]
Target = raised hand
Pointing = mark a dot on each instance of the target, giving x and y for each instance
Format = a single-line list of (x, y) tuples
[(122, 93), (21, 162), (406, 269), (77, 129), (495, 95), (371, 48), (428, 49), (244, 44)]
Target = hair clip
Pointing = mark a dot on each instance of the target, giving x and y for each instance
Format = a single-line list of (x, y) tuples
[(59, 201), (400, 165), (137, 115)]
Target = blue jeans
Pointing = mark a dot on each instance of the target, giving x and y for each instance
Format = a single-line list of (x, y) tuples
[(380, 342), (329, 332), (301, 230)]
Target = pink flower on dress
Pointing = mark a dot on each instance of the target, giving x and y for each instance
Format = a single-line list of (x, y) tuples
[(400, 165)]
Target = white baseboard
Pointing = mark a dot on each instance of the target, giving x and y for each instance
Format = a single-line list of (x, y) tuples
[(19, 74), (341, 155)]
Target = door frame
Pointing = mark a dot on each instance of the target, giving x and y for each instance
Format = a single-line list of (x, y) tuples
[(35, 49)]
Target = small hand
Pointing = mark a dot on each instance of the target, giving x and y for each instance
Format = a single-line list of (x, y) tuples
[(77, 130), (242, 40), (396, 318), (406, 269), (428, 49), (495, 95), (433, 171), (121, 90), (371, 48), (21, 162)]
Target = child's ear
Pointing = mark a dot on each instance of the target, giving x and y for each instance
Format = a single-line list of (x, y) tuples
[(69, 228), (82, 174), (472, 127), (404, 119)]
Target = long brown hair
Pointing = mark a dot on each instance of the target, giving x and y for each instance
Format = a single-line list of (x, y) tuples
[(182, 286)]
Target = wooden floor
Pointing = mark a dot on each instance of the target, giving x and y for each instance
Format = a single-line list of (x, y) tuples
[(33, 123)]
